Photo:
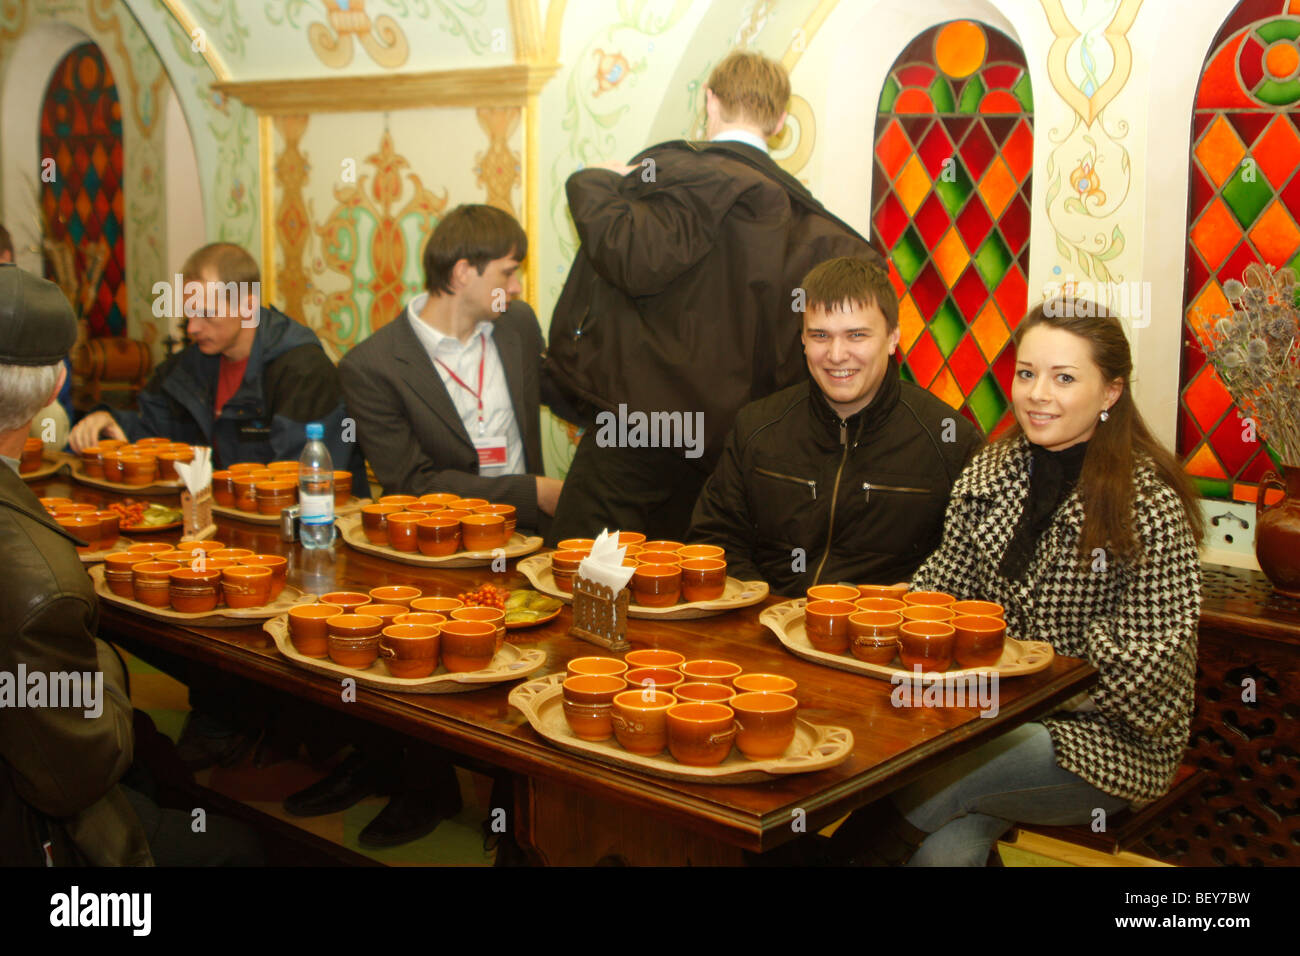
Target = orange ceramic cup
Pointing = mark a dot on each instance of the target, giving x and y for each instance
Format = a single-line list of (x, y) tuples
[(117, 572), (564, 565), (388, 613), (894, 591), (978, 609), (640, 720), (286, 467), (700, 735), (467, 504), (607, 666), (246, 586), (440, 498), (827, 625), (589, 704), (353, 640), (436, 605), (926, 612), (654, 657), (168, 460), (420, 617), (199, 546), (76, 508), (112, 460), (880, 604), (244, 467), (764, 724), (488, 615), (245, 491), (151, 581), (703, 579), (576, 544), (661, 544), (507, 512), (154, 440), (307, 628), (656, 585), (402, 531), (91, 462), (402, 500), (409, 650), (81, 525), (875, 650), (195, 592), (109, 525), (275, 495), (374, 522), (223, 488), (928, 598), (926, 644), (666, 558), (483, 532), (630, 537), (139, 469), (108, 444), (149, 547), (49, 504), (402, 594), (832, 592), (231, 554), (468, 645), (30, 457), (345, 600), (279, 566), (342, 487), (713, 671), (702, 692), (701, 551), (658, 678), (437, 535), (980, 640), (425, 507), (875, 624), (764, 684)]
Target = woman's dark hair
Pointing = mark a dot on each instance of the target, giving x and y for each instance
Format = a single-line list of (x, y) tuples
[(477, 233), (1106, 479)]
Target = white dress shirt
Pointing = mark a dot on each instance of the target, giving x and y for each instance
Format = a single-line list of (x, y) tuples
[(742, 136), (445, 352)]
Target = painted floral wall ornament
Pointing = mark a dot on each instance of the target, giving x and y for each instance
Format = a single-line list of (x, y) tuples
[(611, 70), (1086, 183), (348, 19)]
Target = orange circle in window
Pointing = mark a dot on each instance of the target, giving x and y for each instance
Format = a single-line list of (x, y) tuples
[(88, 73), (960, 47), (1281, 59)]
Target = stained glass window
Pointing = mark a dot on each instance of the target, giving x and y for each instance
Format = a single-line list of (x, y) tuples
[(1243, 206), (950, 207), (81, 130)]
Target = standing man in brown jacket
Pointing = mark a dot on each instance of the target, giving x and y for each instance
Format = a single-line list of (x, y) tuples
[(682, 304)]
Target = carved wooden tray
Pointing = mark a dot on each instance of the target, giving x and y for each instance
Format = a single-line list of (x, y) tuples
[(351, 531), (815, 746), (351, 506), (50, 463), (173, 487), (221, 617), (510, 663), (738, 594), (786, 622)]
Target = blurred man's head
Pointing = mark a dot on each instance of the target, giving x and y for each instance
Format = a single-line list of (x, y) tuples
[(6, 246), (747, 89), (474, 255), (850, 330), (221, 319), (37, 328)]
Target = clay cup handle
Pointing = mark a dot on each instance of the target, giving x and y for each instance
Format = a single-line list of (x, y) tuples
[(725, 737), (386, 652)]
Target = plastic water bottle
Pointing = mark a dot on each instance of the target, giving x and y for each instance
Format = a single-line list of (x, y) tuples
[(316, 491)]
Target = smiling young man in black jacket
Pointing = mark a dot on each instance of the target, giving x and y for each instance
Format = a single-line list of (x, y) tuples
[(845, 476)]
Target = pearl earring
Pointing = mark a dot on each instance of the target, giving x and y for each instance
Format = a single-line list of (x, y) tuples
[(1105, 414)]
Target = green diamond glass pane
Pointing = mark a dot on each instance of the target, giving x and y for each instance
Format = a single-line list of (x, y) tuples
[(992, 260), (905, 374), (941, 94), (909, 255), (1213, 487), (953, 187), (1279, 94), (1024, 94), (1279, 30), (1246, 199), (947, 327), (888, 95), (971, 96), (987, 403)]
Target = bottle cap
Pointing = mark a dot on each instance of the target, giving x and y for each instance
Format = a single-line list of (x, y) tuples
[(315, 431)]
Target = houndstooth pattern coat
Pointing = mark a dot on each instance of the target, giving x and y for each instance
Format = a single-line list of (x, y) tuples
[(1134, 621)]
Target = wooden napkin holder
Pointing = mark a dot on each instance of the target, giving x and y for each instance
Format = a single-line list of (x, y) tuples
[(196, 513), (599, 616)]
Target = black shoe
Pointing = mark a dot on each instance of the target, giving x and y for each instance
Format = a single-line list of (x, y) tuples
[(876, 835), (199, 751), (351, 781), (410, 815)]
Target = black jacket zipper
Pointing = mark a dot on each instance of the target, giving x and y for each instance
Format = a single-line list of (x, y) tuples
[(835, 493), (812, 485)]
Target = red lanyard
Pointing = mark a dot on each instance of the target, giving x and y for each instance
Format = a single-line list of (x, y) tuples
[(477, 393)]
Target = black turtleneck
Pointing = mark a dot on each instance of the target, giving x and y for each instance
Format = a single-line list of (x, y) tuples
[(1052, 476)]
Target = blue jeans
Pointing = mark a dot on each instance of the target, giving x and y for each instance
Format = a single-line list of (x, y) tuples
[(966, 804)]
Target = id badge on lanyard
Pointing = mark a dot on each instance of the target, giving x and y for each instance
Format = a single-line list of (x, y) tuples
[(491, 448)]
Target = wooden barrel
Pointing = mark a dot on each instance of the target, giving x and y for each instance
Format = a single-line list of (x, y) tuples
[(112, 359)]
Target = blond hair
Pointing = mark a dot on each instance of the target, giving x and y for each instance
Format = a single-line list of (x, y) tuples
[(751, 88)]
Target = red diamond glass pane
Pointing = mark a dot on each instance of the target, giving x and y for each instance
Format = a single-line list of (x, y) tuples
[(928, 290), (1015, 225), (969, 294), (977, 151), (1249, 125), (890, 220), (1004, 369), (973, 224), (1228, 446), (892, 149), (1235, 267), (925, 360), (1001, 77), (932, 220), (934, 149), (1012, 297), (1019, 150), (1251, 63), (967, 364)]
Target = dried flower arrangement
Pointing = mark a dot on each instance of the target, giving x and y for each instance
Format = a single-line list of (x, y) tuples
[(1256, 352)]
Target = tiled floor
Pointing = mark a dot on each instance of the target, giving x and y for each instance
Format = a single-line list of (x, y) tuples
[(458, 841)]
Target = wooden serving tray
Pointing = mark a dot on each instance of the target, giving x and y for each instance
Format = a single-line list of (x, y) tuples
[(221, 617), (786, 622), (174, 487), (738, 594), (351, 506), (510, 663), (50, 463), (351, 531), (815, 747)]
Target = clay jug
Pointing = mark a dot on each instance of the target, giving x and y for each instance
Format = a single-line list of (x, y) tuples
[(1277, 532)]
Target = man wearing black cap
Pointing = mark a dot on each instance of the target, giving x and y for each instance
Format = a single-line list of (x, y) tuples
[(59, 766)]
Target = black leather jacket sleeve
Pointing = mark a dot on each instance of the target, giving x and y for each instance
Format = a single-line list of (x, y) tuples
[(722, 516)]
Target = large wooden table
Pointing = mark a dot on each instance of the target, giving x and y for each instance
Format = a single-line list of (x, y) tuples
[(571, 810)]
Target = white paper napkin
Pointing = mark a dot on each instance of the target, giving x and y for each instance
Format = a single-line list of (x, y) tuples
[(197, 474), (605, 563)]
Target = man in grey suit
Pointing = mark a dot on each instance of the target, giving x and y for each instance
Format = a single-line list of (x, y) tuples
[(446, 396)]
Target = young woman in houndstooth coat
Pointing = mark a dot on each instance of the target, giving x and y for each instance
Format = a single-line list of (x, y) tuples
[(1085, 529)]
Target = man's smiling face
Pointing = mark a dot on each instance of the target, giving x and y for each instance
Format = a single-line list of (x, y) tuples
[(848, 353)]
